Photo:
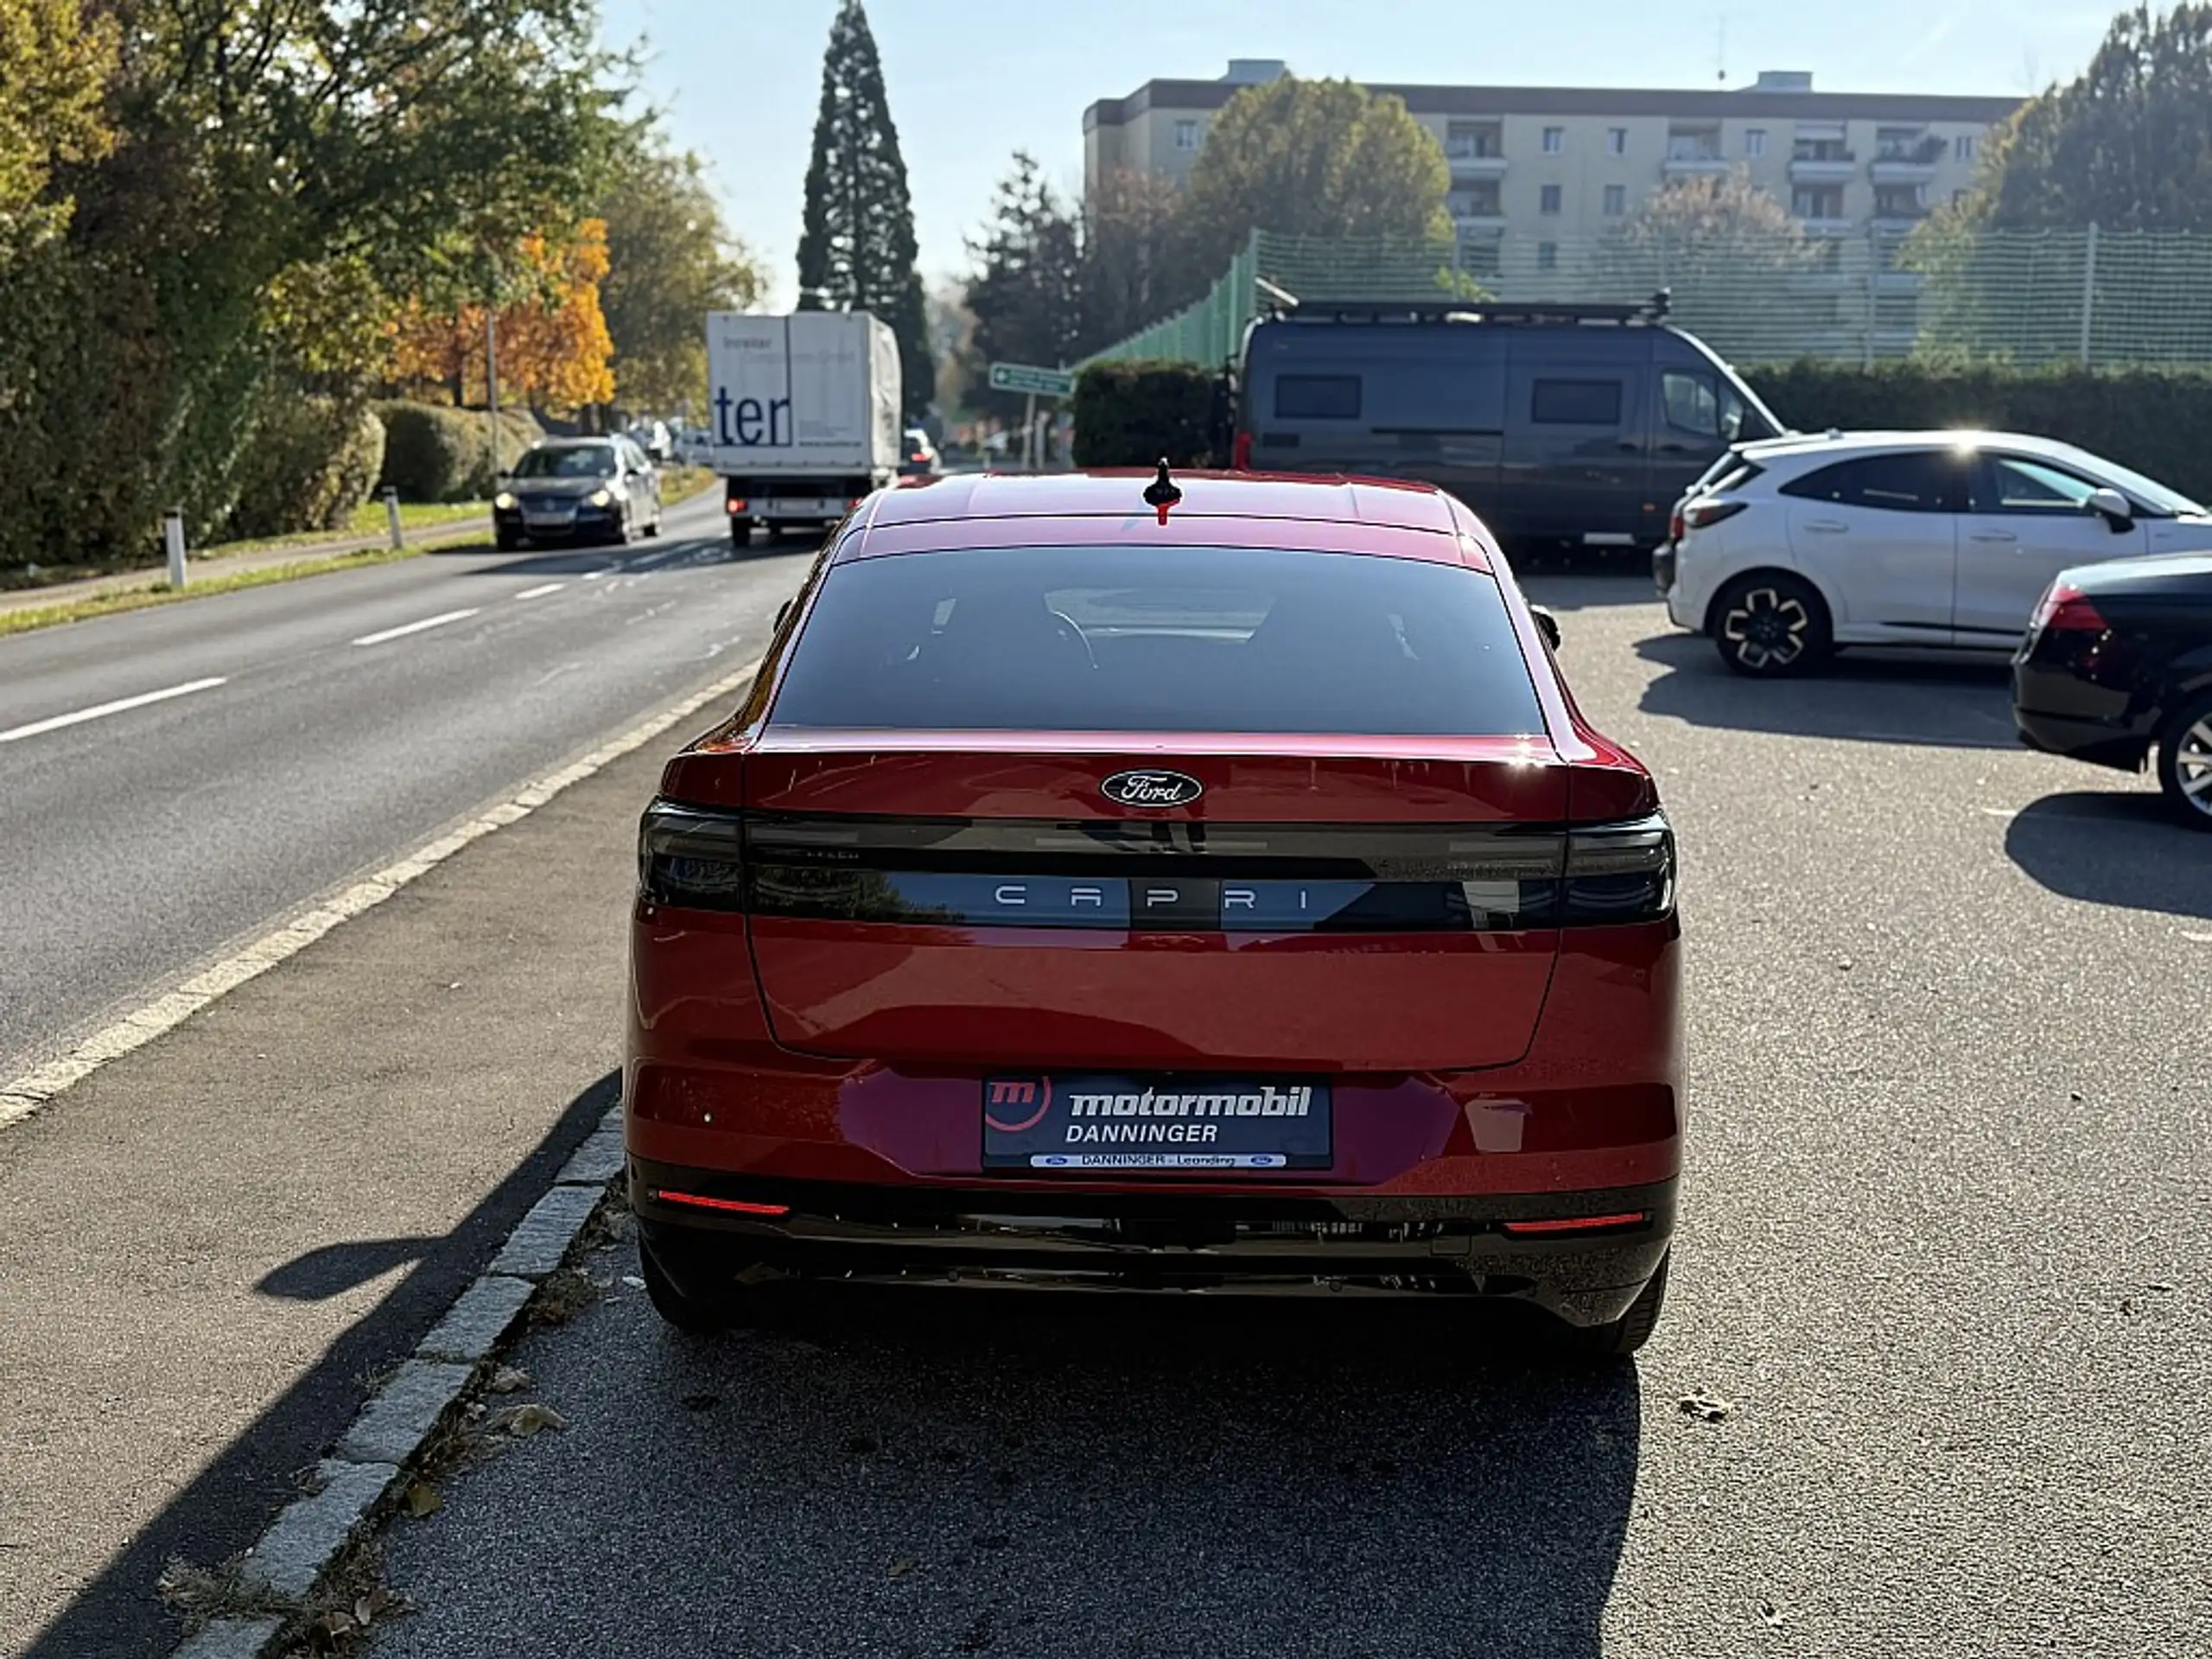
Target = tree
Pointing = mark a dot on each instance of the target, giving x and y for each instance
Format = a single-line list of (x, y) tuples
[(856, 249), (1026, 294), (58, 65), (1138, 265), (1321, 158), (2126, 146), (1726, 249), (671, 261), (553, 342)]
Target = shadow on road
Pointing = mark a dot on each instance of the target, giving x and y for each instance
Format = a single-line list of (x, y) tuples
[(2114, 848), (1130, 1476), (223, 1511), (1871, 698)]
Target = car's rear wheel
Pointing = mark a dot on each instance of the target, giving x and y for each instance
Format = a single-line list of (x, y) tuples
[(686, 1305), (1771, 623), (2186, 760), (1598, 1344)]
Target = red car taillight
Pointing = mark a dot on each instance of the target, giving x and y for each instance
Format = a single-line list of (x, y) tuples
[(2066, 609), (1700, 515), (1240, 454)]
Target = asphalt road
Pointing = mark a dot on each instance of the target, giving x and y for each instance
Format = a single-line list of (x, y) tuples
[(310, 729), (1945, 1263)]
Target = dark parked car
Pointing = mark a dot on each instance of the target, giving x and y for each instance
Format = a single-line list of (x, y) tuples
[(1556, 424), (2117, 663), (578, 490)]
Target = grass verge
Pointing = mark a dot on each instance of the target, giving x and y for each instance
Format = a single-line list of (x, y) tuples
[(160, 593)]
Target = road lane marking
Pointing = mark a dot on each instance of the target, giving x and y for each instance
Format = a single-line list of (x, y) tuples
[(540, 592), (101, 710), (24, 1097), (594, 575), (416, 627), (651, 560)]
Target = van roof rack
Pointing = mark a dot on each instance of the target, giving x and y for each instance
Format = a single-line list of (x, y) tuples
[(1652, 311)]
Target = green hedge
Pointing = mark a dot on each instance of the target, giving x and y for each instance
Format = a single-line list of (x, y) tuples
[(2157, 421), (437, 453), (1132, 414), (311, 462)]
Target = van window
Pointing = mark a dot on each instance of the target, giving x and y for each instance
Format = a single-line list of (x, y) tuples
[(1317, 397), (1690, 402), (1576, 402)]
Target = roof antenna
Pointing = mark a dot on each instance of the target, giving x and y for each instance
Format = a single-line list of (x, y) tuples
[(1161, 494)]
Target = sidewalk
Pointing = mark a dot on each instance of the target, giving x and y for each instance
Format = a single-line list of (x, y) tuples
[(224, 564)]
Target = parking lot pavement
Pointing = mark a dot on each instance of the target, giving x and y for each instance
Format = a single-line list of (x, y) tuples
[(1940, 1314)]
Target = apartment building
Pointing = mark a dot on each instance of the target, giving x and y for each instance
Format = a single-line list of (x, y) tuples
[(1560, 166)]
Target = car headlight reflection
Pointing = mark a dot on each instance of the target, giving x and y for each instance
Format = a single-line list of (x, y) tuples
[(601, 497), (504, 501)]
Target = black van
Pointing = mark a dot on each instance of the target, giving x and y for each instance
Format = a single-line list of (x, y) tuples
[(1577, 423)]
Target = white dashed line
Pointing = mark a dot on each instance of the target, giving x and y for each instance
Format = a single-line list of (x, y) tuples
[(100, 710), (416, 627), (21, 1098), (540, 592), (594, 575)]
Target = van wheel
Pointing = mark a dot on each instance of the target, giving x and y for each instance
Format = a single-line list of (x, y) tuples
[(1770, 624), (2185, 761)]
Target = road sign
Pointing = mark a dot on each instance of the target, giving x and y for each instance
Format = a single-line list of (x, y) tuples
[(1038, 383)]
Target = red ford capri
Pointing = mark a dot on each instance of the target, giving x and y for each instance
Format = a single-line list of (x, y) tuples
[(1192, 886)]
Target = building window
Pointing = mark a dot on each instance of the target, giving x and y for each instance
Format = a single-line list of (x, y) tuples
[(1547, 199), (1962, 147), (1468, 141), (1616, 141), (1615, 201), (1555, 139), (1547, 256), (1186, 135), (1479, 200), (1817, 201), (1754, 141)]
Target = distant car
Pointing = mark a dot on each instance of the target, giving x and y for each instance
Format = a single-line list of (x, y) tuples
[(2118, 663), (1787, 550), (1226, 900), (578, 490), (918, 456), (654, 438)]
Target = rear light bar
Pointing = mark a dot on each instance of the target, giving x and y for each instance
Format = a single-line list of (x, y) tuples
[(1590, 875), (728, 1206), (1554, 1227), (1703, 515), (2066, 609)]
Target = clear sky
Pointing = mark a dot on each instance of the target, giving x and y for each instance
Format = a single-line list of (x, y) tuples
[(972, 80)]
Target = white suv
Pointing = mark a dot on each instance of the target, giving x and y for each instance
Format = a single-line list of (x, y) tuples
[(1788, 549)]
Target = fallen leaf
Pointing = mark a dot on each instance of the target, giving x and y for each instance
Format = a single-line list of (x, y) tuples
[(422, 1499), (507, 1379), (522, 1421), (901, 1568), (361, 1612), (1771, 1613), (633, 1281), (1706, 1408)]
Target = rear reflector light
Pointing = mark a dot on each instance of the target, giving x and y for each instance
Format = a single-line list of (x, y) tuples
[(1017, 875), (1575, 1223), (730, 1206)]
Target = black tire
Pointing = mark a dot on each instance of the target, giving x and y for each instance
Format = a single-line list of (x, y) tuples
[(506, 541), (2185, 761), (740, 538), (1772, 625), (687, 1308), (1599, 1344)]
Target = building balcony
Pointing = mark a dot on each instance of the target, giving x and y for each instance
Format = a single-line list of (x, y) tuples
[(1825, 225), (1467, 164), (1693, 166), (1478, 221), (1831, 170), (1903, 169)]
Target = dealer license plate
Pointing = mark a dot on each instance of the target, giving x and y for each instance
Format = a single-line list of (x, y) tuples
[(1093, 1121)]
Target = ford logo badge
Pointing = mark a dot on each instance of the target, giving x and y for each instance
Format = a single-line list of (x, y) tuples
[(1154, 789)]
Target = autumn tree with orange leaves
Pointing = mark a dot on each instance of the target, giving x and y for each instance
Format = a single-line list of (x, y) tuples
[(553, 343)]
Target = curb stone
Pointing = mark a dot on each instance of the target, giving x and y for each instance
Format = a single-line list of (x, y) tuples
[(299, 1546)]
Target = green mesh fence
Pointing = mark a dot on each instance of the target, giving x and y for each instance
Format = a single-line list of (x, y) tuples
[(2027, 299)]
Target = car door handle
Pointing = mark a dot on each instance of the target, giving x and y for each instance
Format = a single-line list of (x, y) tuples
[(1994, 536), (1826, 527)]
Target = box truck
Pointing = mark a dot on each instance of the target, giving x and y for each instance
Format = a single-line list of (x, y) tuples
[(803, 412)]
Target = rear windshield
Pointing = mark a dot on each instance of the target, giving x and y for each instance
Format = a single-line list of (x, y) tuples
[(1171, 638)]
